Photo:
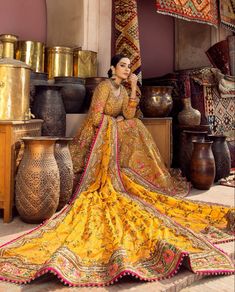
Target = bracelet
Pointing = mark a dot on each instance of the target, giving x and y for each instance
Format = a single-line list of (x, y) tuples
[(133, 102)]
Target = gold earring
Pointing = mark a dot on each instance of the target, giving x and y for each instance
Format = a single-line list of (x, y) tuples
[(113, 73)]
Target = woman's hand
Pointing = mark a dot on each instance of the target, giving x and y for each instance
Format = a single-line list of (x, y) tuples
[(119, 118), (133, 81)]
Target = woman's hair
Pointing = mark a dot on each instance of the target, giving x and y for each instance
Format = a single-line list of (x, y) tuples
[(115, 59)]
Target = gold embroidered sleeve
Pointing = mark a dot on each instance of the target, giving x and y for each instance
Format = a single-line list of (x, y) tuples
[(99, 99), (128, 109)]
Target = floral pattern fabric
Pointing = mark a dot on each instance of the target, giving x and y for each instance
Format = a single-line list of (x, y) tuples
[(119, 222)]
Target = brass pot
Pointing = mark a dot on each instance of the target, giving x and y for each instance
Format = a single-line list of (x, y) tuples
[(59, 61), (32, 53), (84, 63), (14, 90), (8, 45), (156, 101)]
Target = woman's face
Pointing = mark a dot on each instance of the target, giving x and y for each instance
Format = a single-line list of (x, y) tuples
[(122, 69)]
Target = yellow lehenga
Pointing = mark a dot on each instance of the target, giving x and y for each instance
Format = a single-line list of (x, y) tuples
[(122, 218)]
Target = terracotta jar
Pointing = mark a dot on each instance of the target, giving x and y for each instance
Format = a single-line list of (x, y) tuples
[(48, 106), (222, 156), (186, 149), (189, 116), (65, 165), (202, 166), (90, 84), (156, 101), (73, 93), (37, 180)]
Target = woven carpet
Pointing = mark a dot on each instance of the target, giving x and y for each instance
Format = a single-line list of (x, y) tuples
[(127, 32), (205, 11), (227, 13)]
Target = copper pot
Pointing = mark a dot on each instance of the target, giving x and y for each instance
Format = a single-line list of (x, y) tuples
[(59, 61), (14, 90), (32, 53)]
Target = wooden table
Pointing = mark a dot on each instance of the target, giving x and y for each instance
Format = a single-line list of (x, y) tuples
[(10, 134)]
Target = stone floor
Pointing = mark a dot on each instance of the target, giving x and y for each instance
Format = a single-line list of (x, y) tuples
[(183, 281)]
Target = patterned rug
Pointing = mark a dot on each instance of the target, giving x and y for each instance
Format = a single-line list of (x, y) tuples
[(220, 112), (227, 13), (230, 180), (127, 32), (205, 11)]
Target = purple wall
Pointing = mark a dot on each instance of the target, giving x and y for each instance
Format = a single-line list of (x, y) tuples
[(156, 40), (24, 18)]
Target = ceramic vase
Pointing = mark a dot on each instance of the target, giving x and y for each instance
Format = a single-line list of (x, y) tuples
[(189, 116), (222, 156), (48, 106), (202, 166)]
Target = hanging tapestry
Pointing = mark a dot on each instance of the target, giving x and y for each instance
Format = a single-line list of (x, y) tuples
[(227, 13), (127, 33), (205, 11)]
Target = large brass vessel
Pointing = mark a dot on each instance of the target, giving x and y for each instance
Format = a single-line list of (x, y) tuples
[(14, 90), (32, 53), (84, 63), (59, 61), (7, 45)]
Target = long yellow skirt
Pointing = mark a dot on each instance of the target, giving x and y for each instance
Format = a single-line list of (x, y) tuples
[(119, 224)]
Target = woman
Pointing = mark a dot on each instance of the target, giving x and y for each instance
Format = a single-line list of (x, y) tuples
[(121, 219)]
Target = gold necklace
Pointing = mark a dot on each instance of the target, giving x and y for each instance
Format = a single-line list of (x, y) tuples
[(115, 85)]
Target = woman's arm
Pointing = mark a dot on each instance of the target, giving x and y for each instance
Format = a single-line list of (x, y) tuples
[(99, 99), (130, 103)]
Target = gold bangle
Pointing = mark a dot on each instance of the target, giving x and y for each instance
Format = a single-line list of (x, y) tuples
[(132, 103)]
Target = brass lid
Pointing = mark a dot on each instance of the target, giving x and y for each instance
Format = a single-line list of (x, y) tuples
[(8, 62), (66, 50), (8, 38), (77, 50)]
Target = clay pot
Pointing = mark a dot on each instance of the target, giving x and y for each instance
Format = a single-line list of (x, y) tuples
[(189, 116), (186, 148), (36, 78), (222, 156), (48, 106), (202, 166), (90, 84), (73, 93), (37, 180), (156, 101), (65, 165)]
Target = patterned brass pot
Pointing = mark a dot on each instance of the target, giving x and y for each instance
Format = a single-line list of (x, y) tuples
[(32, 53), (84, 63), (37, 180), (156, 101), (8, 45), (59, 61), (65, 165)]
